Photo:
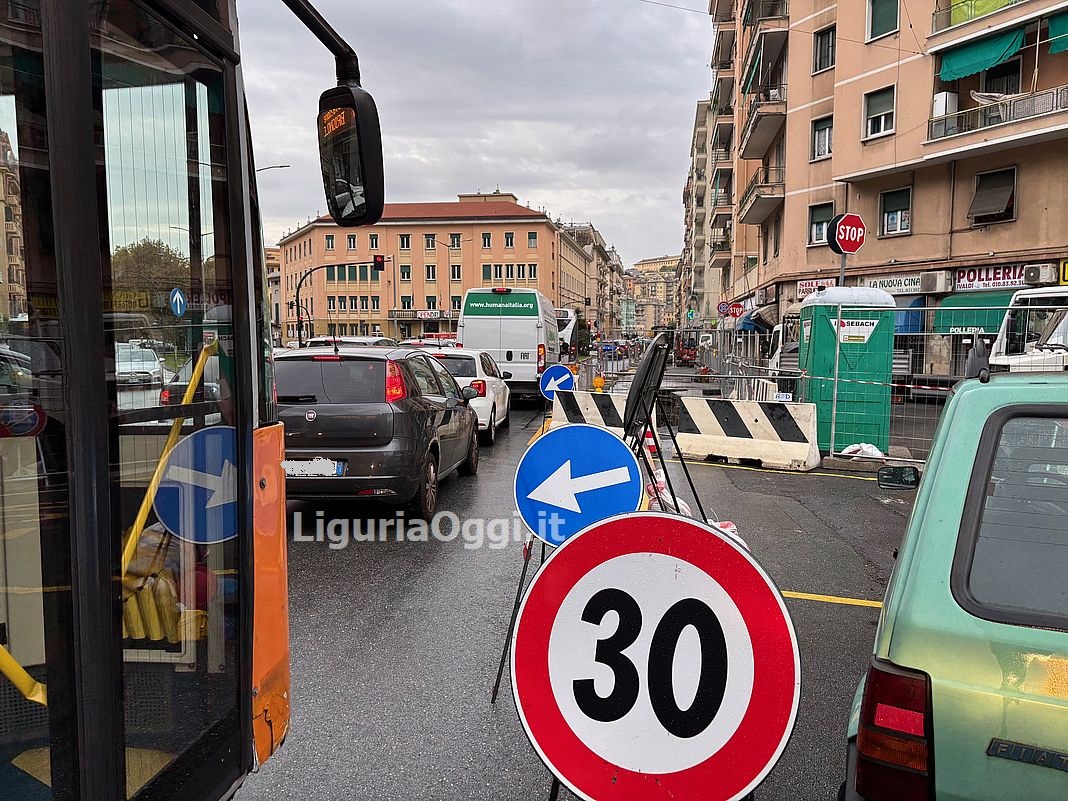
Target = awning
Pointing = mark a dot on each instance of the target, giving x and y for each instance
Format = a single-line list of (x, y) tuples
[(993, 194), (977, 56), (767, 315), (754, 68), (1058, 33), (750, 321), (972, 312), (909, 322)]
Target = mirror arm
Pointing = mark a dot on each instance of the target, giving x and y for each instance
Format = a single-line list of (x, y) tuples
[(347, 64)]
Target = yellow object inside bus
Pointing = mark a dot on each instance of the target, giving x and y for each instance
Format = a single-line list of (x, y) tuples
[(150, 608)]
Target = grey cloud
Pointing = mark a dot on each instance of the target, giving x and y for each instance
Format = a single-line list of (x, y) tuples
[(583, 106)]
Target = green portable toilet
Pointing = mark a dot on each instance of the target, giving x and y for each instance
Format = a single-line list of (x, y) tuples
[(849, 330)]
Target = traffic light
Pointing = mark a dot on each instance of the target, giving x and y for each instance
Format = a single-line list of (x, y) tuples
[(379, 262)]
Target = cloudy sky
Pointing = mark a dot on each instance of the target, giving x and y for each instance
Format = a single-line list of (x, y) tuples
[(585, 107)]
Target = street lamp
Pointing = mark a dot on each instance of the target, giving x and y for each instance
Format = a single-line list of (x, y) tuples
[(275, 167)]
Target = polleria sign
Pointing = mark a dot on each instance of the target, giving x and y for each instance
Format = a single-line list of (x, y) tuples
[(654, 659)]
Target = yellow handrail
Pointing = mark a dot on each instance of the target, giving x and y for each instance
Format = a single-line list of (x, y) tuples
[(9, 667), (130, 548), (23, 681)]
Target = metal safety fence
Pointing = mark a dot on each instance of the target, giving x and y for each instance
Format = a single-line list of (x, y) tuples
[(880, 377)]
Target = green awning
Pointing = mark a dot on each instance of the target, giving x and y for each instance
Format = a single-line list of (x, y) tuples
[(972, 312), (977, 56), (1058, 33), (754, 68)]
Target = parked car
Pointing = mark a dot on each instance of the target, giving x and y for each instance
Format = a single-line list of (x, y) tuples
[(138, 367), (209, 389), (373, 422), (476, 368), (417, 342), (966, 694), (317, 342)]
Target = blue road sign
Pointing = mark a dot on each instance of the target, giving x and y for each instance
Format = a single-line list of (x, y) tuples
[(555, 377), (572, 477), (197, 496), (178, 302)]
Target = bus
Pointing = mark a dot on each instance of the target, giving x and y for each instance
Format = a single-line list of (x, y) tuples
[(143, 593), (566, 321)]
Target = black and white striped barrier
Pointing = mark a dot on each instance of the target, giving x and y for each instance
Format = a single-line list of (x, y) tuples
[(778, 435), (596, 408)]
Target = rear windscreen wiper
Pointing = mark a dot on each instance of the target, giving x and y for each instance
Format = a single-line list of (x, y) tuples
[(298, 399)]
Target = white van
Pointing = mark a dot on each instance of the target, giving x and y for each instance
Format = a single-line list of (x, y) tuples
[(1030, 315), (517, 327)]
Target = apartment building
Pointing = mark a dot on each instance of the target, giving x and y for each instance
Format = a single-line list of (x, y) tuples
[(707, 202), (12, 270), (943, 124), (273, 263), (604, 287), (434, 252), (654, 293)]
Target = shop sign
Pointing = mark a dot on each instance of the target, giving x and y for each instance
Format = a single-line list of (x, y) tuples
[(428, 314), (895, 284), (971, 279), (810, 285), (1064, 272)]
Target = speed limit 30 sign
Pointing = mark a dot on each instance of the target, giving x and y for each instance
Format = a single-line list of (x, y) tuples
[(655, 659)]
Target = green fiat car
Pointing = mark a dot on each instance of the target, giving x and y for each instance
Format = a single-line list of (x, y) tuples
[(966, 694)]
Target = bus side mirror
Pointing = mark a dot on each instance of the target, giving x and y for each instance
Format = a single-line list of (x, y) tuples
[(350, 150)]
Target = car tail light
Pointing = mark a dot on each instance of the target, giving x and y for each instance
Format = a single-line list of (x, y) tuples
[(164, 397), (395, 388), (893, 742), (479, 386), (541, 359), (459, 344)]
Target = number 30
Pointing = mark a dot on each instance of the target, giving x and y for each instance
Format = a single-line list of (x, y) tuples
[(683, 723)]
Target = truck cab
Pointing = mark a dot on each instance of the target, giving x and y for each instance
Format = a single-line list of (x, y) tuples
[(1030, 319)]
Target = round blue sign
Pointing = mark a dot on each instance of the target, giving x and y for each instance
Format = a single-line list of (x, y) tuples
[(572, 477), (555, 377), (178, 302), (723, 307), (197, 496)]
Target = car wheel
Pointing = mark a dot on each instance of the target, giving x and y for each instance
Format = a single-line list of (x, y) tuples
[(470, 464), (489, 436), (425, 502)]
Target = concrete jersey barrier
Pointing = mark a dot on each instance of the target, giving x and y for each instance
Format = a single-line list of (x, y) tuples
[(778, 435)]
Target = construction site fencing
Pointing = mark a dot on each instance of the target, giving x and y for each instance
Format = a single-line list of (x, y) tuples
[(890, 401)]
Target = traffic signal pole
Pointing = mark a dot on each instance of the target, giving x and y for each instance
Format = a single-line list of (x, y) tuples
[(841, 269), (378, 263)]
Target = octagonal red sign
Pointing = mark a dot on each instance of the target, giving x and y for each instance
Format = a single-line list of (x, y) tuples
[(845, 233)]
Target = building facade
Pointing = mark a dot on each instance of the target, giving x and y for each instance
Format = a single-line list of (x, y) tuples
[(12, 271), (654, 293), (274, 291), (942, 124), (434, 252)]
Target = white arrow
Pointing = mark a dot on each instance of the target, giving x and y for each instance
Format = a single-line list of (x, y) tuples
[(554, 384), (560, 488), (223, 488)]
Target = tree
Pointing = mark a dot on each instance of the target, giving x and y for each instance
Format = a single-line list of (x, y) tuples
[(150, 265)]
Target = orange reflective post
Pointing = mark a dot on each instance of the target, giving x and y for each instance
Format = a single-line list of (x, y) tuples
[(270, 637)]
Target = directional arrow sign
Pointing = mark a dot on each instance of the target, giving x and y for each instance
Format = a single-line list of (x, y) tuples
[(572, 477), (197, 497), (556, 377), (178, 302), (561, 490)]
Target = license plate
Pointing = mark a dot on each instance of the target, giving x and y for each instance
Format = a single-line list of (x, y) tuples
[(313, 467)]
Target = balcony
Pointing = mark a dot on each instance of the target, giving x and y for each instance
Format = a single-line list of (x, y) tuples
[(721, 203), (720, 247), (959, 13), (765, 193), (757, 11), (1039, 104), (765, 115)]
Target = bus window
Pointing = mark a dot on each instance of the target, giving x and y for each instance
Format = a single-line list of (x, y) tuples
[(35, 566), (164, 191)]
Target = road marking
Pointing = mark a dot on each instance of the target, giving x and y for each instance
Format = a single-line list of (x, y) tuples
[(541, 430), (832, 599), (813, 474)]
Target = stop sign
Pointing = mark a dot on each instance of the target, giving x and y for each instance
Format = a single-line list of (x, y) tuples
[(845, 233)]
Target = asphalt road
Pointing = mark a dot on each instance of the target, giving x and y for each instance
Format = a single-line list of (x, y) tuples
[(395, 645)]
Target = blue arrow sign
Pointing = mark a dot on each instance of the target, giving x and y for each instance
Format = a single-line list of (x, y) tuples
[(197, 496), (556, 377), (178, 302), (572, 477)]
